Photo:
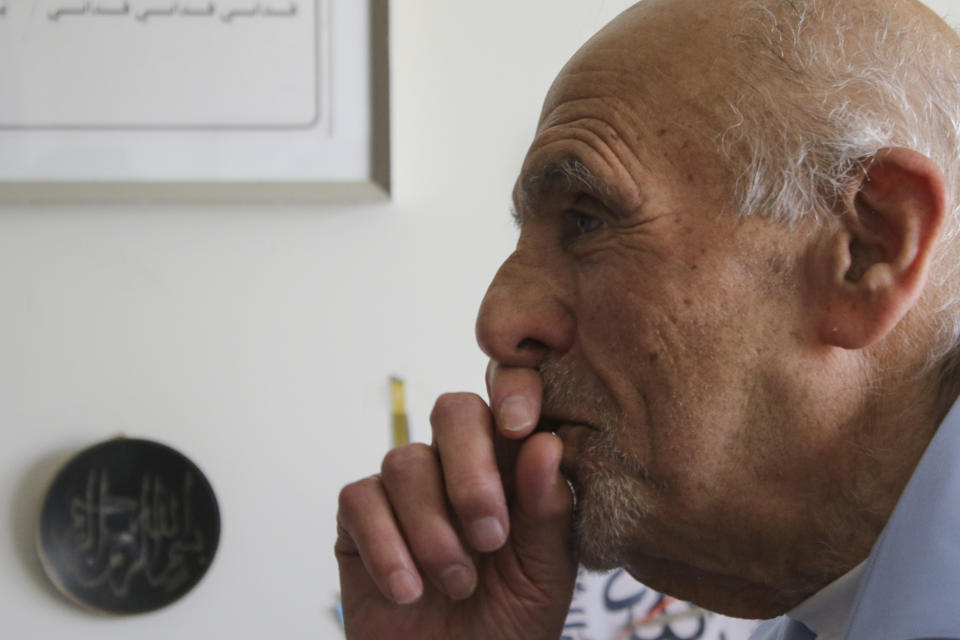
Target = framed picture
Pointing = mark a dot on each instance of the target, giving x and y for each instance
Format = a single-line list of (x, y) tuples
[(194, 100)]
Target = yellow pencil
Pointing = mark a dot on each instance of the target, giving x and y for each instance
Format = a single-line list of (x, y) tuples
[(401, 432)]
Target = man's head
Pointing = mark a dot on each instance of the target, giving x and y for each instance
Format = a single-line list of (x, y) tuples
[(722, 304)]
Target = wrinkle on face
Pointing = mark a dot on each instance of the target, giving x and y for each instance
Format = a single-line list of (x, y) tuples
[(612, 172)]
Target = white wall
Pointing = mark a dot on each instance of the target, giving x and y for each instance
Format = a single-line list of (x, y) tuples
[(258, 340), (950, 9)]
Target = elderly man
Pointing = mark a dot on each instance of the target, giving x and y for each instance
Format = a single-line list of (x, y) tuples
[(729, 326)]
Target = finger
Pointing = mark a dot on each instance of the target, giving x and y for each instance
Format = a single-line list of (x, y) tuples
[(463, 435), (515, 397), (414, 484), (367, 529), (542, 514)]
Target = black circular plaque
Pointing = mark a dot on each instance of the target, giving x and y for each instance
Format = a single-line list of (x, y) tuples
[(128, 526)]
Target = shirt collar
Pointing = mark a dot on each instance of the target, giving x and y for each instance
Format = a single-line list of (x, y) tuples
[(826, 612), (912, 577)]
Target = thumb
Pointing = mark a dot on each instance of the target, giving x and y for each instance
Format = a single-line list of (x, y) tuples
[(541, 519)]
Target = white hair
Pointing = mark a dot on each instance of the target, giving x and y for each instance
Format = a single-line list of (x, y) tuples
[(826, 85)]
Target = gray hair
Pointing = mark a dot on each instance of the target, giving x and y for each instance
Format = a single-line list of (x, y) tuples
[(847, 82)]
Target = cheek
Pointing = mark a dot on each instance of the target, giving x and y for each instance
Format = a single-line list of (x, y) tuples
[(632, 346), (672, 364)]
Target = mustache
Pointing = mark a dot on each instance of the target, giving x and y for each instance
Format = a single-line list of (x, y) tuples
[(571, 396)]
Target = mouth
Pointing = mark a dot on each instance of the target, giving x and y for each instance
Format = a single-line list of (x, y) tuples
[(549, 424)]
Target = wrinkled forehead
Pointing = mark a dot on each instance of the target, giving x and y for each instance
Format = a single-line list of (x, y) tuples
[(693, 68), (656, 55), (635, 99)]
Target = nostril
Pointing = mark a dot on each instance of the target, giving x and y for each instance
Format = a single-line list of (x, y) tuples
[(528, 345)]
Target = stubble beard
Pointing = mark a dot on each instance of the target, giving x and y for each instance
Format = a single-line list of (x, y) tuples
[(609, 486), (610, 509)]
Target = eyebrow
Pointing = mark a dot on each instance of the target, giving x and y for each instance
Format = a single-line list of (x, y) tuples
[(568, 173)]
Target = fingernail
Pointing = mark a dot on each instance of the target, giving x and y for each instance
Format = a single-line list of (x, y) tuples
[(457, 581), (516, 413), (403, 586), (487, 534)]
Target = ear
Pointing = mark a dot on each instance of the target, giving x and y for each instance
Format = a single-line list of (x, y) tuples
[(879, 256)]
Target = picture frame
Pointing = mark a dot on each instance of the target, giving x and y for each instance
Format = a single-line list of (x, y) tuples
[(219, 119)]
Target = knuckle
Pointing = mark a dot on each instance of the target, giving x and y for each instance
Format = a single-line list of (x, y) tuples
[(451, 407), (403, 462), (473, 495), (356, 495), (440, 554)]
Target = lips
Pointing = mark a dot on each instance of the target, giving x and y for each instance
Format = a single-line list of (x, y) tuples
[(549, 424)]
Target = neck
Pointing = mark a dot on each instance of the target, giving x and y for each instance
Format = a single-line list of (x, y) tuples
[(895, 422)]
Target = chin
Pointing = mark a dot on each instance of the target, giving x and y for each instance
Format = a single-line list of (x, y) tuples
[(725, 594), (607, 514), (611, 531)]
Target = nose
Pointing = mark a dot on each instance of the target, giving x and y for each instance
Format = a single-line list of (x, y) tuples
[(524, 316)]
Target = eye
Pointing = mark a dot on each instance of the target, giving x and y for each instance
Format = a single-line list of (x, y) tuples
[(585, 223)]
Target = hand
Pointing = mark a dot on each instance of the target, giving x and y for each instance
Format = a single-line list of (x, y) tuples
[(468, 538)]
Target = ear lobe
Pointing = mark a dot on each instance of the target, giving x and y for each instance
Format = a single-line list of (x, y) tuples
[(881, 254)]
